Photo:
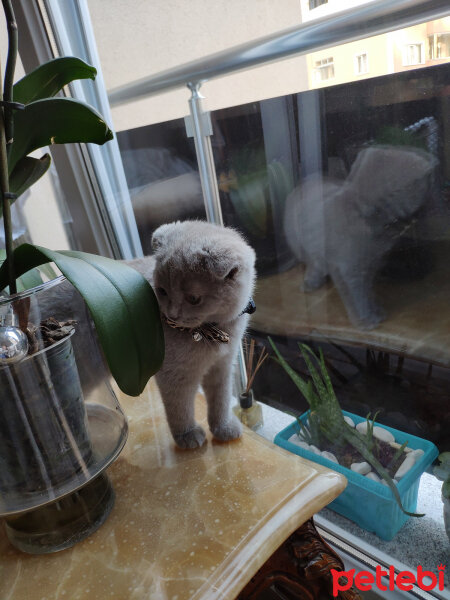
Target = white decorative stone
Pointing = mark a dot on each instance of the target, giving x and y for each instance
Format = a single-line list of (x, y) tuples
[(417, 454), (362, 427), (349, 421), (363, 468), (330, 456), (396, 445), (405, 466), (313, 448), (294, 439), (373, 476), (379, 432), (383, 434)]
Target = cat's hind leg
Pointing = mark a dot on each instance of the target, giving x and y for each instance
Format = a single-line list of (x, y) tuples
[(217, 384), (178, 398)]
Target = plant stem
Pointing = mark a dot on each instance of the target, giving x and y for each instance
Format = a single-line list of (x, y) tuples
[(9, 70), (6, 116)]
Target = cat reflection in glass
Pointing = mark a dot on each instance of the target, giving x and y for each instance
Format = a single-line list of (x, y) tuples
[(203, 277), (345, 229)]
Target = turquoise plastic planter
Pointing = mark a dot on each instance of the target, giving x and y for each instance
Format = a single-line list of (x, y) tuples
[(368, 503)]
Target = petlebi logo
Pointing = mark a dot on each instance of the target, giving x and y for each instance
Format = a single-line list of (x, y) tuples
[(388, 580)]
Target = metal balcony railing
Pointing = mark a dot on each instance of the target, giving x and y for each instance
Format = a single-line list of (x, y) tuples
[(370, 19)]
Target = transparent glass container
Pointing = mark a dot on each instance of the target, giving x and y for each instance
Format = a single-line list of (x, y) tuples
[(61, 425)]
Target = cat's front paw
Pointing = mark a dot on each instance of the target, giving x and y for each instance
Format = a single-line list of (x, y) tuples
[(194, 438), (230, 430)]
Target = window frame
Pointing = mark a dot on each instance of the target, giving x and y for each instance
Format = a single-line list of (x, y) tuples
[(320, 68), (433, 37), (97, 226), (366, 54), (407, 45), (312, 4)]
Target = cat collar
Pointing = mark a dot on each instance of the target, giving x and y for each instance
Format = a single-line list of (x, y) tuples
[(210, 331)]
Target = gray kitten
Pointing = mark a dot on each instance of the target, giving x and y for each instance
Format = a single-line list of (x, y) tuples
[(203, 274), (344, 229)]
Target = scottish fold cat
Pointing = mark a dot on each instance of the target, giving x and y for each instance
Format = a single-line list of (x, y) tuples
[(203, 274), (344, 229)]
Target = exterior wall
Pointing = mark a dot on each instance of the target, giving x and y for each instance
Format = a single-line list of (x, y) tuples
[(168, 33), (157, 35), (330, 7), (344, 58), (386, 54)]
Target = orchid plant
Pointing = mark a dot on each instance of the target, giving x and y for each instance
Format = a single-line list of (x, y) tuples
[(121, 302)]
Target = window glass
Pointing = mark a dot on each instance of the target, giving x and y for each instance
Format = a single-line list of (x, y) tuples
[(315, 3), (439, 45), (324, 69), (414, 54), (40, 215), (340, 183), (361, 63)]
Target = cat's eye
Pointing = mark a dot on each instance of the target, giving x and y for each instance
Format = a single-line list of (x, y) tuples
[(161, 291), (193, 300)]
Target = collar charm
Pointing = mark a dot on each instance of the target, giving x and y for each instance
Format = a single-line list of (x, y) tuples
[(209, 331)]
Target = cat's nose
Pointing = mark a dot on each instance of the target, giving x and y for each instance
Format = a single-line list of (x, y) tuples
[(173, 313)]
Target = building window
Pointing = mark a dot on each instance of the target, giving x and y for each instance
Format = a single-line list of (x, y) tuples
[(439, 46), (361, 63), (413, 54), (315, 3), (324, 69)]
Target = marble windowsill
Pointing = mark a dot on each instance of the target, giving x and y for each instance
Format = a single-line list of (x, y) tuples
[(193, 524), (422, 541)]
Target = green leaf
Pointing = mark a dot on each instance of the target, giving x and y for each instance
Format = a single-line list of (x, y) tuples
[(446, 489), (48, 79), (122, 304), (444, 458), (55, 121), (29, 280), (26, 172), (320, 387)]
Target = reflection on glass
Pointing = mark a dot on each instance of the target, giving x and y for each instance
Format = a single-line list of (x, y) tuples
[(163, 178)]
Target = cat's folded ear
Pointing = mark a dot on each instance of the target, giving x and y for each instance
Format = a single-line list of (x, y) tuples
[(161, 236), (223, 264)]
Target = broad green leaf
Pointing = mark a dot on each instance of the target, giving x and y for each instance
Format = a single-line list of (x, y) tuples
[(122, 304), (55, 121), (26, 172), (48, 79), (29, 280)]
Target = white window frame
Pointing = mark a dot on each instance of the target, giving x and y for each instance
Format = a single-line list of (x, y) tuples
[(356, 62), (321, 3), (433, 37), (91, 177), (406, 63), (318, 68)]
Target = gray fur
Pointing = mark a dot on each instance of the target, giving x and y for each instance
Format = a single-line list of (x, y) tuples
[(194, 258), (345, 229)]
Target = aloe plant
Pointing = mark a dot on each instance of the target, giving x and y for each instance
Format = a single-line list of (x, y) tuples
[(121, 301), (327, 414)]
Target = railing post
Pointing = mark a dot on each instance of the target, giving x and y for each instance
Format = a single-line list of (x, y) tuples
[(201, 130)]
